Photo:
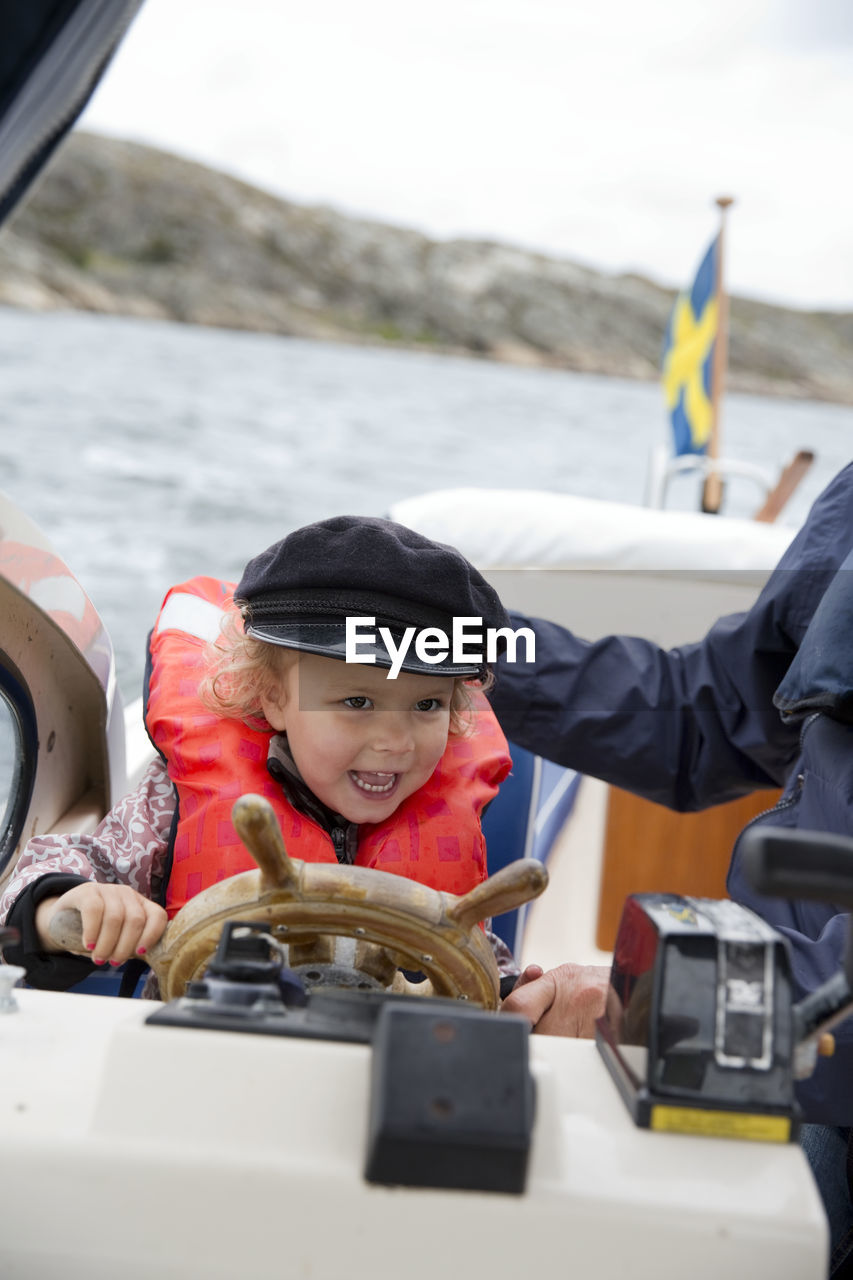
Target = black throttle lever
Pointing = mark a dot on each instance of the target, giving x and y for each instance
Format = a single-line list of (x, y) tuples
[(815, 865)]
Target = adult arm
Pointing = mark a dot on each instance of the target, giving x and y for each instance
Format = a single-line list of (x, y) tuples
[(690, 726)]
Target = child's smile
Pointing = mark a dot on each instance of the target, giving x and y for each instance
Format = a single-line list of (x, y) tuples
[(363, 743), (380, 784)]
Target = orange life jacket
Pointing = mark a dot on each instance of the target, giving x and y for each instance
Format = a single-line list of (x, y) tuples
[(434, 836)]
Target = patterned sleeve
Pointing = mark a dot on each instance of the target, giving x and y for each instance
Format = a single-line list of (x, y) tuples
[(128, 847), (507, 965)]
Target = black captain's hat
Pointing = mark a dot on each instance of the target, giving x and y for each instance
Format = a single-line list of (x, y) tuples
[(300, 591)]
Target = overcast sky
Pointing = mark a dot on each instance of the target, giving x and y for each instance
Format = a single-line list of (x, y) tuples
[(600, 130)]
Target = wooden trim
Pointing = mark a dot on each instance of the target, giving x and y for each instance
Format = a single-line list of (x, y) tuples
[(785, 486), (649, 848)]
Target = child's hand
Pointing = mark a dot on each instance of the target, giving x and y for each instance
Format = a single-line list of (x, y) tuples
[(117, 921)]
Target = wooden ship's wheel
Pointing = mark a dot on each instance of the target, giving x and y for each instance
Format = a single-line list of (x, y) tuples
[(394, 923)]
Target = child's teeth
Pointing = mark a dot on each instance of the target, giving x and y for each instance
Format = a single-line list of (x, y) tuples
[(374, 781)]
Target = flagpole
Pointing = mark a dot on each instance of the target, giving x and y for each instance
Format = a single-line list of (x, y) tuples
[(712, 491)]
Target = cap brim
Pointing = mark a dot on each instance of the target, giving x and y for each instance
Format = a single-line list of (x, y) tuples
[(328, 640)]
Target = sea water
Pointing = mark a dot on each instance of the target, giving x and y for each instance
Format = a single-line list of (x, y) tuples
[(148, 452)]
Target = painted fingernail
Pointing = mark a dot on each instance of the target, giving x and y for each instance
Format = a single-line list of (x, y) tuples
[(140, 951), (95, 960), (90, 946), (115, 963)]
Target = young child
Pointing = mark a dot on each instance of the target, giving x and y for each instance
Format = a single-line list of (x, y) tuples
[(385, 762)]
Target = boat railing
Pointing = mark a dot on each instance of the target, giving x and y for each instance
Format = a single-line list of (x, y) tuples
[(664, 468)]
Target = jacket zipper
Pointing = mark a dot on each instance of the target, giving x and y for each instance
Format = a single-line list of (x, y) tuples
[(339, 841), (786, 801), (778, 807)]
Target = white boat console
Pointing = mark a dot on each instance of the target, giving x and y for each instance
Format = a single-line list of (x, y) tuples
[(135, 1150)]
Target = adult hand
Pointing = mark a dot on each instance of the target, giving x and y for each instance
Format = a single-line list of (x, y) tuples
[(117, 922), (562, 1002)]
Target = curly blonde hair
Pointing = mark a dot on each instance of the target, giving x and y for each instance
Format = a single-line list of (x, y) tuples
[(242, 671)]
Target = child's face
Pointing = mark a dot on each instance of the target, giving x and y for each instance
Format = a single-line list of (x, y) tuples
[(362, 743)]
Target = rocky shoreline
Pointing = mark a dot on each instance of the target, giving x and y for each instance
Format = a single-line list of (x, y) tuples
[(123, 229)]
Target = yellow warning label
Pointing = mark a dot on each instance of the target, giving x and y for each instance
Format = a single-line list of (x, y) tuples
[(721, 1124)]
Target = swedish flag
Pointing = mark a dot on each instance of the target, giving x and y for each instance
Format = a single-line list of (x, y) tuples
[(688, 358)]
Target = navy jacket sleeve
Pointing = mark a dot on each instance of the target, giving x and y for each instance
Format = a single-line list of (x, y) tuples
[(692, 726)]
